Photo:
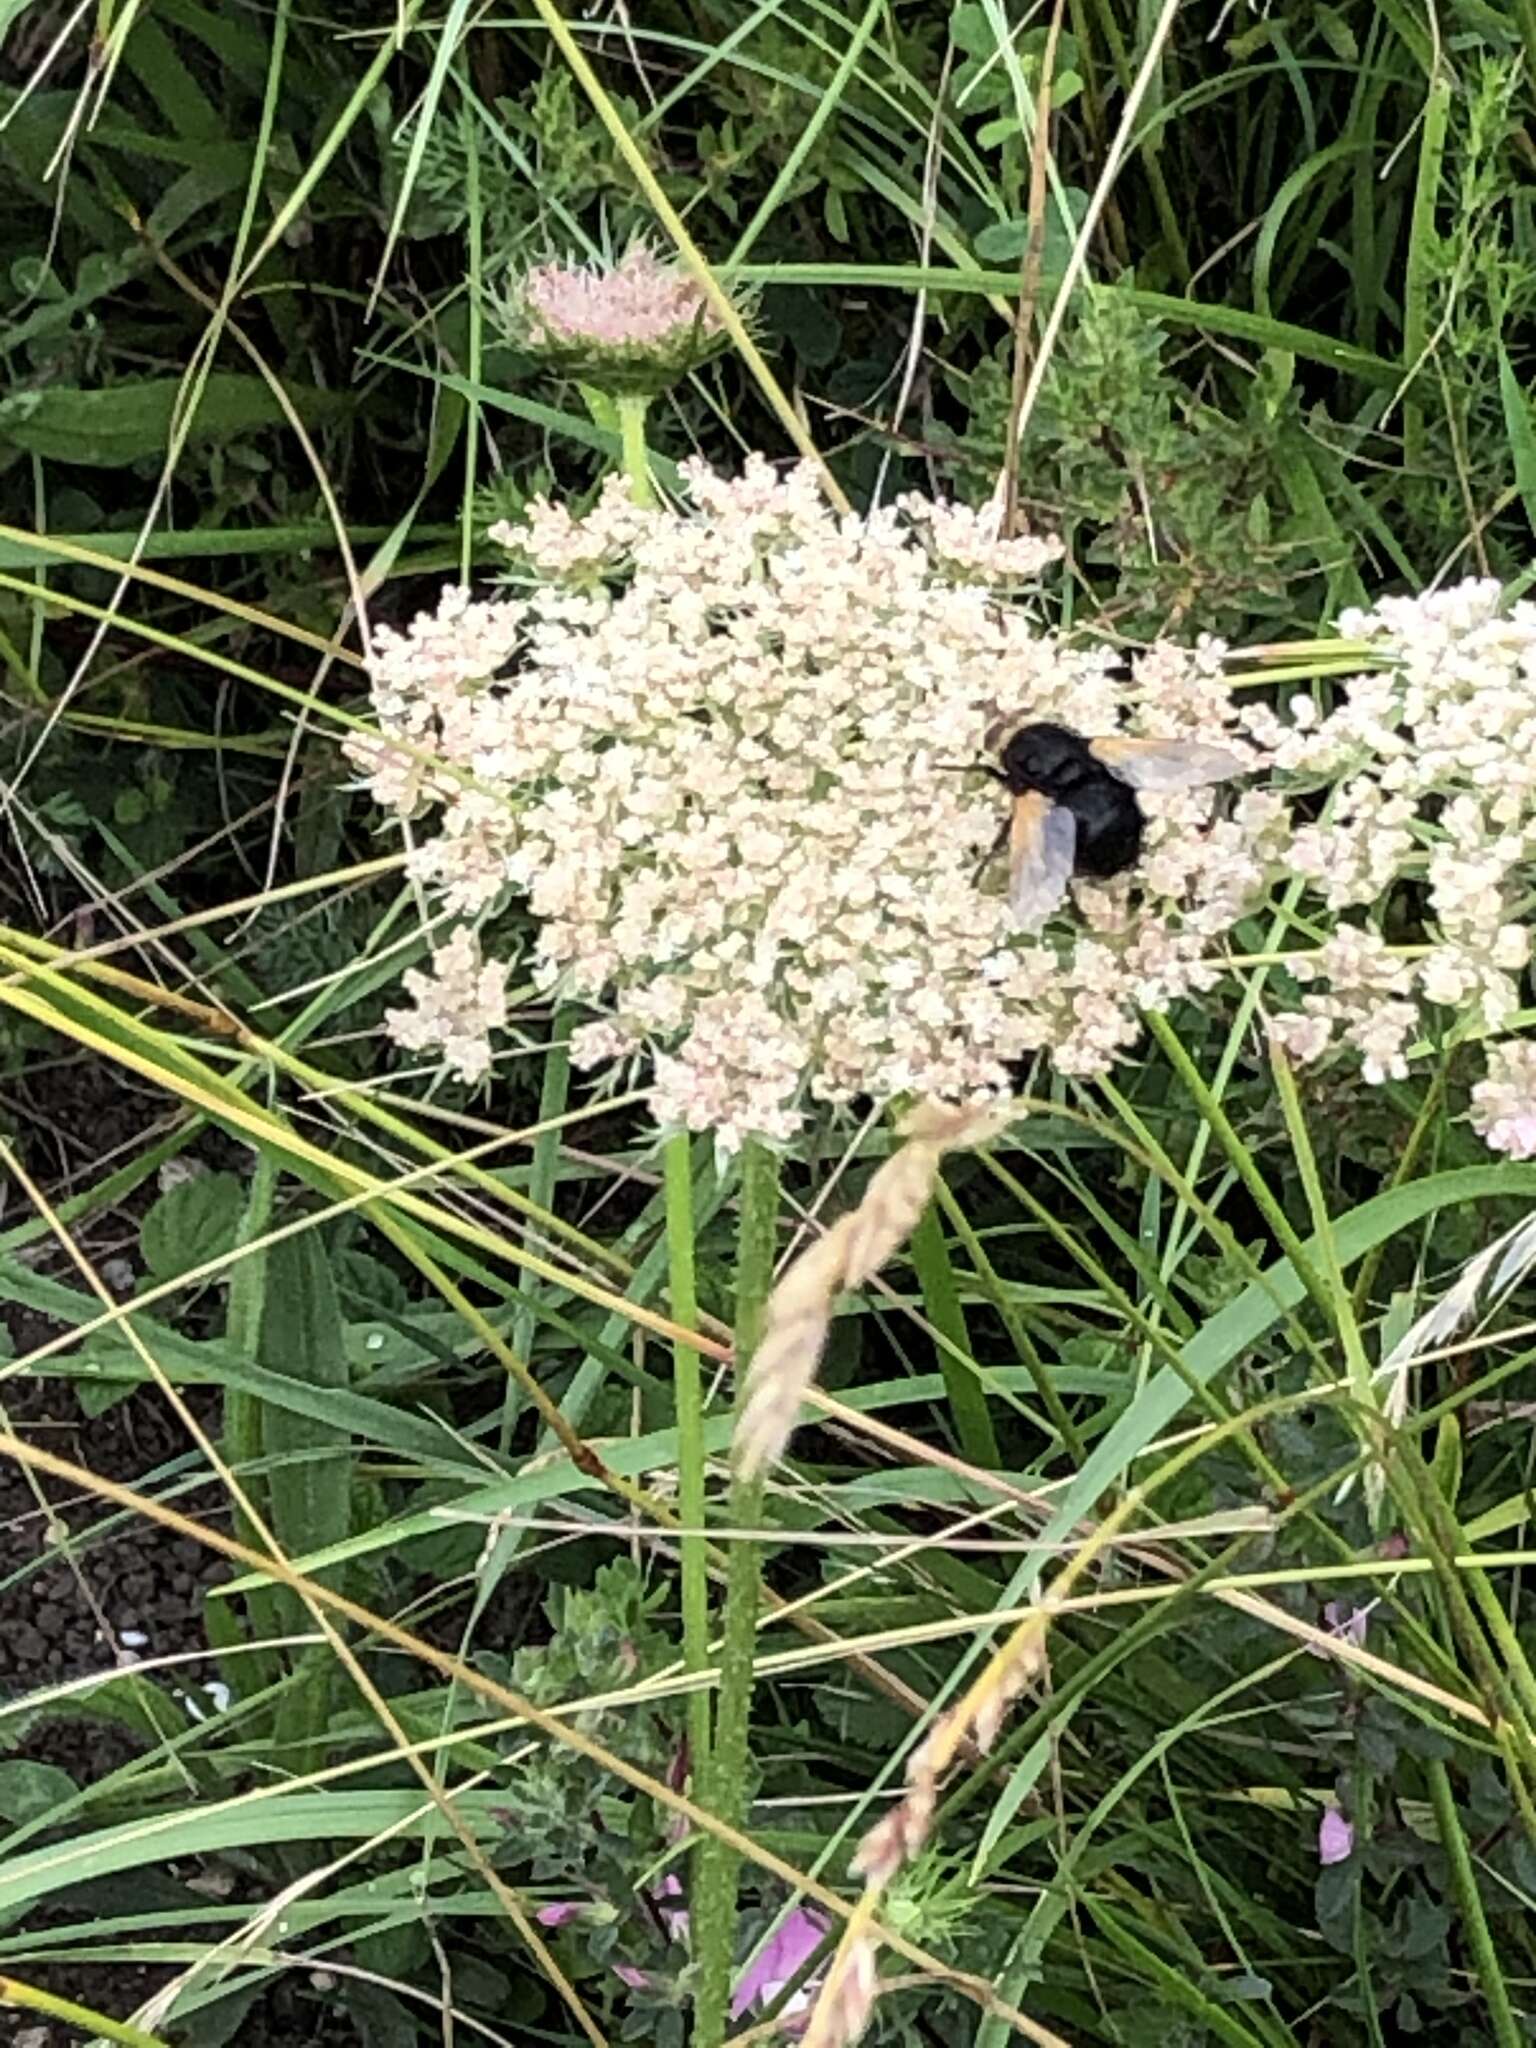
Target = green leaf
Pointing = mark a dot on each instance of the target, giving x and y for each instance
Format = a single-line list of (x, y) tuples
[(219, 172), (28, 1791), (302, 1337), (1337, 34), (1004, 241), (124, 423), (310, 1482), (12, 11), (1522, 435), (1021, 1781), (155, 61), (216, 2025), (1236, 1328), (97, 1396), (236, 1824), (194, 1221), (381, 2018)]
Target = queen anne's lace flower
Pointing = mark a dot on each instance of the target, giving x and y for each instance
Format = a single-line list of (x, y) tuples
[(458, 1005), (1432, 762), (1504, 1105), (714, 749)]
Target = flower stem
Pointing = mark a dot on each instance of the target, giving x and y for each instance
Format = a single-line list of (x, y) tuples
[(1237, 1152), (632, 408), (724, 1787), (1505, 2029), (689, 1397)]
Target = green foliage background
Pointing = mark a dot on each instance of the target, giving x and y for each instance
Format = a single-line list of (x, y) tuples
[(251, 257)]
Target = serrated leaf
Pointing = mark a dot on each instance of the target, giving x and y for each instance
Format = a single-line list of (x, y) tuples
[(190, 1223)]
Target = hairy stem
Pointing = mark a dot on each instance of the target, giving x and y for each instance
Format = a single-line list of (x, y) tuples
[(725, 1783)]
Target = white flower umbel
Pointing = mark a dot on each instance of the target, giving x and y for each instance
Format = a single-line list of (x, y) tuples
[(721, 769), (714, 748), (1504, 1105)]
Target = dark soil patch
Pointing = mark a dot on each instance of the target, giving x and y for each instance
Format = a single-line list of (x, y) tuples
[(295, 2011), (77, 1576), (79, 1585)]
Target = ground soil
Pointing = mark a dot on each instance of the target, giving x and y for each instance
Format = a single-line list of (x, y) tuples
[(141, 1580)]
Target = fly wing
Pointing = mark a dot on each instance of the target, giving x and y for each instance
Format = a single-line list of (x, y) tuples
[(1042, 846), (1164, 765)]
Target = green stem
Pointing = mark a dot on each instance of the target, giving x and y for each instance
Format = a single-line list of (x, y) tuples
[(1241, 1158), (689, 1395), (724, 1788), (1341, 1306), (243, 1417), (1418, 284), (632, 408), (1426, 1125), (1013, 1323), (943, 1308), (544, 1173), (1500, 2013), (14, 1993)]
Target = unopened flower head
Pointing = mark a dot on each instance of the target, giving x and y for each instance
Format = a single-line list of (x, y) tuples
[(637, 325), (714, 748)]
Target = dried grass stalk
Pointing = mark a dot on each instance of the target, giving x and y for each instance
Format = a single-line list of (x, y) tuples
[(850, 1253), (848, 1996)]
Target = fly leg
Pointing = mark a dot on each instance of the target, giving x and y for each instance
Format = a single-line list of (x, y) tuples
[(992, 852)]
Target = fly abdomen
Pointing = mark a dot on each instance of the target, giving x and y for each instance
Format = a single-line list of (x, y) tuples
[(1109, 826)]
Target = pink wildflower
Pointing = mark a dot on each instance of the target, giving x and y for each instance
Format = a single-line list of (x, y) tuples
[(1349, 1622), (561, 1912), (1335, 1837), (787, 1950)]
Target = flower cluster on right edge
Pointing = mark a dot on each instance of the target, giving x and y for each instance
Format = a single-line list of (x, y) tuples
[(715, 748)]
